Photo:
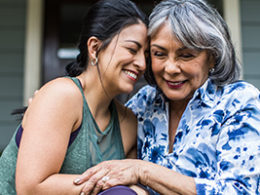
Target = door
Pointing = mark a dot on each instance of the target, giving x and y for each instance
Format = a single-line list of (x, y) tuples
[(62, 27)]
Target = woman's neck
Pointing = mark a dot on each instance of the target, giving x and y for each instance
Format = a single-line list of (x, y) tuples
[(176, 110), (98, 100), (178, 107)]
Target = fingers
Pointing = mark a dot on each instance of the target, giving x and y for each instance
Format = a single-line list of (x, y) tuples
[(92, 171), (29, 101), (98, 187), (113, 181), (105, 183), (85, 176), (36, 91), (95, 183), (31, 98)]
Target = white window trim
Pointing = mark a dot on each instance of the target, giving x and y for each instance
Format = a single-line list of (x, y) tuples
[(232, 16), (33, 48)]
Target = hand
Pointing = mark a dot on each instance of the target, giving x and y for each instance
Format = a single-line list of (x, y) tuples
[(31, 98), (108, 174)]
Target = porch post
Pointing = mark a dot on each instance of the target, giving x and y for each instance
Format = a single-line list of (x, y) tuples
[(233, 18), (33, 48)]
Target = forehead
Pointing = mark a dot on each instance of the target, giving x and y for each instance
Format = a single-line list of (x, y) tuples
[(165, 36), (137, 32)]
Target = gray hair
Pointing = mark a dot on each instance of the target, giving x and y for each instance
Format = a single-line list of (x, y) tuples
[(197, 25)]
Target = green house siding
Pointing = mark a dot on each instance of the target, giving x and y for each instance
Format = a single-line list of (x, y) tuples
[(12, 33), (250, 20)]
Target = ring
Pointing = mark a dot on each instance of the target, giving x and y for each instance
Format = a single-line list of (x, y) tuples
[(105, 178)]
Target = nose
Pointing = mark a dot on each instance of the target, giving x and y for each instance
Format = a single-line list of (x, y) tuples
[(172, 67), (140, 61)]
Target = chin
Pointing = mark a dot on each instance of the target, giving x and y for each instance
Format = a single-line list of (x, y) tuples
[(127, 89), (175, 97)]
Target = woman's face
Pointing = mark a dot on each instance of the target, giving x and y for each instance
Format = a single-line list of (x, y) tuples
[(178, 70), (122, 63)]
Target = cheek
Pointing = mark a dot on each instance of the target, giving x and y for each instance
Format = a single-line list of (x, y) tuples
[(156, 67), (201, 76), (205, 71)]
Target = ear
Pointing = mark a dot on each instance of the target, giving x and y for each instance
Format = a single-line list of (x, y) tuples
[(93, 46)]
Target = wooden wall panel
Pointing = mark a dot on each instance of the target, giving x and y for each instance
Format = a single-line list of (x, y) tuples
[(250, 19), (12, 32)]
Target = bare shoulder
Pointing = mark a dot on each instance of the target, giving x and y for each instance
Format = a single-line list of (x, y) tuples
[(60, 95), (60, 90), (62, 87)]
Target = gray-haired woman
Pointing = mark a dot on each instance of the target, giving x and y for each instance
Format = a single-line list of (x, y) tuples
[(199, 127)]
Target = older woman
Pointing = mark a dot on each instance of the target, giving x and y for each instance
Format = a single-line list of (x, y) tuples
[(199, 127)]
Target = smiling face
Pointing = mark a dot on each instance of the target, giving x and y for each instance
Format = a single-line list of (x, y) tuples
[(178, 70), (122, 63)]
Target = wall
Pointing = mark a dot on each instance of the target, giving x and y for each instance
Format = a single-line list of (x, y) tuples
[(250, 22), (12, 31)]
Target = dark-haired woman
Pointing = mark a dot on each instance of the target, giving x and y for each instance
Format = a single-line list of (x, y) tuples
[(74, 122)]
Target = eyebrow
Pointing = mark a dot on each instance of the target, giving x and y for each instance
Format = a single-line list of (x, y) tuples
[(158, 46), (137, 43), (162, 48)]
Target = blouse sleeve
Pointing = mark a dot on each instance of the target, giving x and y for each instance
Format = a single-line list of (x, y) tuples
[(237, 150), (132, 103), (140, 101)]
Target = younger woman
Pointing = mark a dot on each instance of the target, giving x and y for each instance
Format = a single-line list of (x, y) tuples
[(74, 122)]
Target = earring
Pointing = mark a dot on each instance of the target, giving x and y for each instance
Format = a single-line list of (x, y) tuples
[(211, 70), (94, 63)]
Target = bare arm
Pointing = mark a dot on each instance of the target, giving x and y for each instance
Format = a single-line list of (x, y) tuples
[(164, 180), (139, 190), (47, 124)]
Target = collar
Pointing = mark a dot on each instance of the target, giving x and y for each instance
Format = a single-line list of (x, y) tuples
[(206, 94), (160, 99)]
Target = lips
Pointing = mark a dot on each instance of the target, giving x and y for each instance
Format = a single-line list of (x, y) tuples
[(175, 85), (131, 75)]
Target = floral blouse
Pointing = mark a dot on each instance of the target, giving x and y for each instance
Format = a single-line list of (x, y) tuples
[(217, 141)]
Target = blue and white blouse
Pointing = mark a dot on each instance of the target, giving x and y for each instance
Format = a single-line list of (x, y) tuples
[(217, 141)]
